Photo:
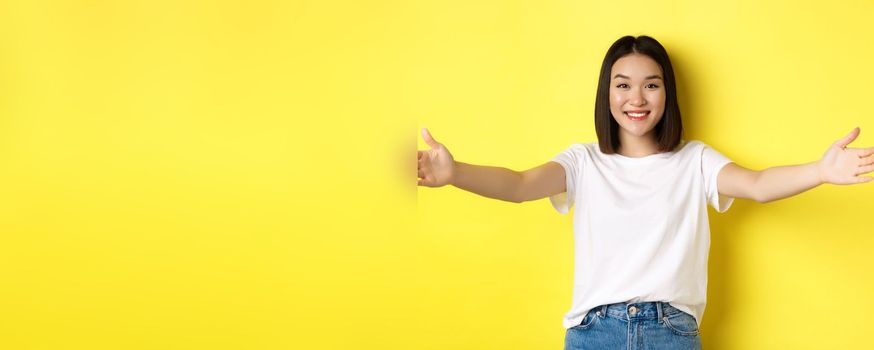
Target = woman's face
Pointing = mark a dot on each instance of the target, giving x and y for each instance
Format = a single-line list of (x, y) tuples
[(637, 94)]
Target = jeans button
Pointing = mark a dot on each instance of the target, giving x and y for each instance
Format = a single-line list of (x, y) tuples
[(632, 310)]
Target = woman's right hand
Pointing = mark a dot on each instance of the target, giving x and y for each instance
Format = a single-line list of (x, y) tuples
[(436, 165)]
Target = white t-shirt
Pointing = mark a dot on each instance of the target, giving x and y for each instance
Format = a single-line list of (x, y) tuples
[(641, 232)]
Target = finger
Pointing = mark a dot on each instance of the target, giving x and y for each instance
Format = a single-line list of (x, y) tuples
[(864, 169), (419, 154), (867, 161), (428, 139), (421, 174), (424, 182), (866, 152), (863, 179), (846, 140)]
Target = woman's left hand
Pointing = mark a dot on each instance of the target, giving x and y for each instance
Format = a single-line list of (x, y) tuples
[(842, 166)]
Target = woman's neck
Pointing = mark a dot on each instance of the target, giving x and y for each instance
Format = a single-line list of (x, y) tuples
[(637, 146)]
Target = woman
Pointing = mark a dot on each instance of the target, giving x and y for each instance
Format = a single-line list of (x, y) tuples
[(641, 230)]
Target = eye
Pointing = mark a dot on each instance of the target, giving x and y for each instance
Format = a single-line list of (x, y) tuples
[(653, 86), (622, 85)]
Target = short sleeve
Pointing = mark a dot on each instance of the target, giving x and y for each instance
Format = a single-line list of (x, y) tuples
[(569, 159), (711, 163)]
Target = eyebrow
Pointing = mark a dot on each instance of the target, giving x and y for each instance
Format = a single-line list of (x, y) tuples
[(647, 78)]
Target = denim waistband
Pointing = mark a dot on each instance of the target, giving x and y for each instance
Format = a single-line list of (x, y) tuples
[(638, 311)]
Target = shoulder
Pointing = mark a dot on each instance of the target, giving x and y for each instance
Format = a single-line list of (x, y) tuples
[(693, 144), (583, 148), (692, 151), (693, 147), (706, 153), (589, 149), (577, 153)]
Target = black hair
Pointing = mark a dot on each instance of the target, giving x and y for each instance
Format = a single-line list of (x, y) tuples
[(669, 129)]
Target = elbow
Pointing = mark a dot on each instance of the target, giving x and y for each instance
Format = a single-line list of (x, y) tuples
[(517, 199), (757, 193), (763, 198), (517, 195)]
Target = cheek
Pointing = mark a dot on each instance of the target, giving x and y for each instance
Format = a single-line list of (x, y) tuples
[(616, 100), (657, 102), (657, 97)]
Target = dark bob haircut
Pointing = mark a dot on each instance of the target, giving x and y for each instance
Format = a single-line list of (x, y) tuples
[(669, 130)]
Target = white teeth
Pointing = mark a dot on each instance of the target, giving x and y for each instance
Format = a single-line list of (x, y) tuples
[(636, 115)]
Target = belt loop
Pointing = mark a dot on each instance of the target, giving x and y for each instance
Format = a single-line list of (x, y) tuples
[(659, 310), (603, 310)]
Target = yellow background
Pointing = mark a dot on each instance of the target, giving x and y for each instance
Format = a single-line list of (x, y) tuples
[(238, 174)]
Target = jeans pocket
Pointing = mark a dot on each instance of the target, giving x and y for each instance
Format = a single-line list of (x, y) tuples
[(682, 323), (588, 320)]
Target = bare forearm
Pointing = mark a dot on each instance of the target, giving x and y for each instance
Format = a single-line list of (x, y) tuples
[(493, 182), (786, 181)]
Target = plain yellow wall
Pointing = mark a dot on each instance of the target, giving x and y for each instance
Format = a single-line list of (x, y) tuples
[(238, 174)]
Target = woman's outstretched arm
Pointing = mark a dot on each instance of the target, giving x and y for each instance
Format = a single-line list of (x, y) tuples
[(839, 165), (437, 167)]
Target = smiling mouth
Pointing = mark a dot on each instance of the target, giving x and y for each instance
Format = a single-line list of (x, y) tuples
[(636, 115)]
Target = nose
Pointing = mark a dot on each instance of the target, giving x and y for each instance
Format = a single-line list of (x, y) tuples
[(636, 99)]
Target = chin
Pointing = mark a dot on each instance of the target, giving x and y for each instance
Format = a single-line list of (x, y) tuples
[(638, 132)]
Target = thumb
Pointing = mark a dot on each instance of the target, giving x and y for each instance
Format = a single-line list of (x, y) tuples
[(848, 139), (428, 139)]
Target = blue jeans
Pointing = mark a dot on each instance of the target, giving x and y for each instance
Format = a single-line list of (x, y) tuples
[(651, 325)]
